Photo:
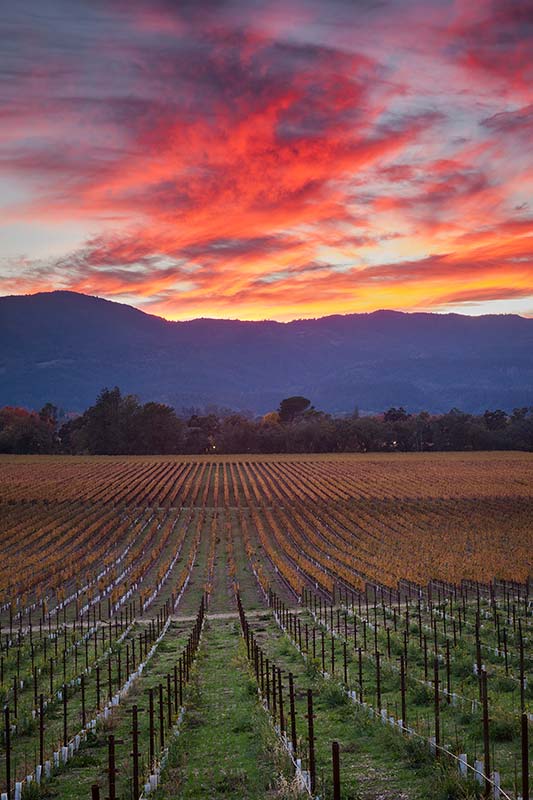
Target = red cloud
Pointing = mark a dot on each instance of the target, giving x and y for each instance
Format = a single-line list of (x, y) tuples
[(230, 167)]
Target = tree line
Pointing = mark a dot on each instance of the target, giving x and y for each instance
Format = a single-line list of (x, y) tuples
[(120, 424)]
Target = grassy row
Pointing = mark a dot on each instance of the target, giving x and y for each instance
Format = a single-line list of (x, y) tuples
[(226, 747), (375, 760)]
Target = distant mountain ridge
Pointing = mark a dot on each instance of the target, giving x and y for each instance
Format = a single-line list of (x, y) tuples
[(63, 347)]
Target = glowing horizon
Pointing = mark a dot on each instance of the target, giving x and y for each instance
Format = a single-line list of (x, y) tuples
[(269, 161)]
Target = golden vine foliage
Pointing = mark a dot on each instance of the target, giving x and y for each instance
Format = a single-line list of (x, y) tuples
[(90, 528)]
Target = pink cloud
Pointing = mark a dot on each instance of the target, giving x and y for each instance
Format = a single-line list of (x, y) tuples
[(251, 163)]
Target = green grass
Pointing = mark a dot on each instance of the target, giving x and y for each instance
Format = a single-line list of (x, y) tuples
[(376, 762), (226, 747), (89, 765), (461, 728)]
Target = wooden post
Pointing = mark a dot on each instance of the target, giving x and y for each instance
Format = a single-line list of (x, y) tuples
[(161, 718), (280, 703), (293, 714), (34, 670), (65, 700), (360, 654), (478, 655), (83, 716), (7, 723), (345, 664), (41, 730), (274, 691), (135, 750), (437, 706), (448, 672), (151, 727), (378, 681), (311, 741), (402, 688)]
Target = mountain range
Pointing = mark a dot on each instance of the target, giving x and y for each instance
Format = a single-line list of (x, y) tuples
[(64, 347)]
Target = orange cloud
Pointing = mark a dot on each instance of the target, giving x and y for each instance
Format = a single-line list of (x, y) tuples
[(226, 167)]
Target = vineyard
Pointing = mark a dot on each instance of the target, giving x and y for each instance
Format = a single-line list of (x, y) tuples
[(354, 627)]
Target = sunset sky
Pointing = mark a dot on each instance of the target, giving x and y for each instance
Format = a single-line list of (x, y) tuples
[(269, 159)]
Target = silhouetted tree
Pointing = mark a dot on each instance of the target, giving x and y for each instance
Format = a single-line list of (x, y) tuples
[(158, 430), (293, 407), (395, 414), (495, 420), (48, 414), (118, 423), (110, 423), (23, 431), (423, 431)]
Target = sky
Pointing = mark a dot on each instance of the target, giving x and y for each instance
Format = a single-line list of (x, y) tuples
[(258, 159)]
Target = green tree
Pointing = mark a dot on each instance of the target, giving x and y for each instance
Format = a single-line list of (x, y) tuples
[(23, 431), (110, 423), (48, 414), (293, 407), (396, 415), (157, 429), (423, 431), (495, 420)]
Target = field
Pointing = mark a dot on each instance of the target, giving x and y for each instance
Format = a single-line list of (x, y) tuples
[(353, 627)]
